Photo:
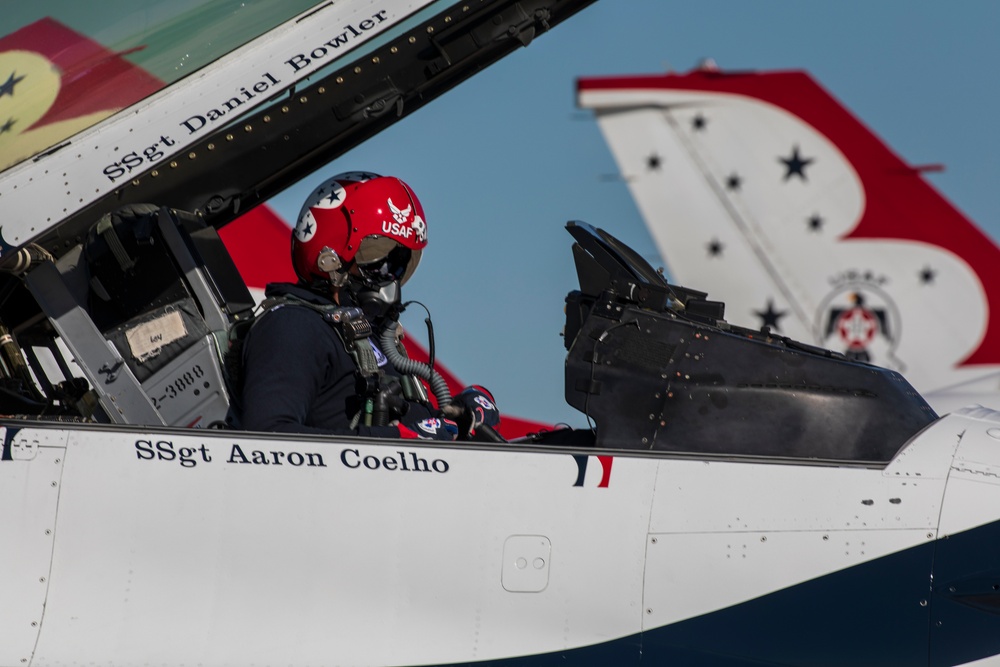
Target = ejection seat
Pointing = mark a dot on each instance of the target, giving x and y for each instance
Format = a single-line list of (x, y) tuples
[(144, 305)]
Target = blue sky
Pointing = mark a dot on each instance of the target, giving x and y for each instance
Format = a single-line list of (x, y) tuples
[(504, 160)]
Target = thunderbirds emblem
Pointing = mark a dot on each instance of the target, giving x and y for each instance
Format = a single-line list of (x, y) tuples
[(863, 323), (420, 228)]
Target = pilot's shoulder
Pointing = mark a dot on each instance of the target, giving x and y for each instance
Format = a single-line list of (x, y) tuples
[(290, 322)]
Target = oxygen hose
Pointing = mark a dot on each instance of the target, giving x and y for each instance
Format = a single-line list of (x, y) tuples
[(411, 367)]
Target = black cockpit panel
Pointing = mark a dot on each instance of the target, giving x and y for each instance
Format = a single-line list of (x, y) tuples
[(655, 367)]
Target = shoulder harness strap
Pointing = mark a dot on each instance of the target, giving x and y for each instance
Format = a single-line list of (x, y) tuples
[(349, 322)]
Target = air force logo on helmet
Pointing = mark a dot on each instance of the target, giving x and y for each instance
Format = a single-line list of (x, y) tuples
[(399, 228), (360, 218)]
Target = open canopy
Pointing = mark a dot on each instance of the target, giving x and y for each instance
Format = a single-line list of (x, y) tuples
[(212, 107)]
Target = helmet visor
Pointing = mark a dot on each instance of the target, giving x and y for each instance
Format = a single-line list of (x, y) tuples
[(381, 258)]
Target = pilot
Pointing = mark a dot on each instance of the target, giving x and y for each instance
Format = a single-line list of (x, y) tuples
[(324, 355)]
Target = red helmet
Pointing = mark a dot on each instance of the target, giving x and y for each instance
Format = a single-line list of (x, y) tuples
[(359, 217)]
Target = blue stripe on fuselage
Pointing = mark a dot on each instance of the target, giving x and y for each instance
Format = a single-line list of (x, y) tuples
[(888, 611)]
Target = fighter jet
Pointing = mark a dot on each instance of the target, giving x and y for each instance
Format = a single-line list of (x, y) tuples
[(739, 498)]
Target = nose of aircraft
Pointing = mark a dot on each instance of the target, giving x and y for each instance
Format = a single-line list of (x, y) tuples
[(965, 599)]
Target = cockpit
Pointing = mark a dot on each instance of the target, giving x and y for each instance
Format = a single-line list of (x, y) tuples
[(133, 324), (128, 326), (117, 297)]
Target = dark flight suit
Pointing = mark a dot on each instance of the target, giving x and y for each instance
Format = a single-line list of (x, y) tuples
[(298, 376)]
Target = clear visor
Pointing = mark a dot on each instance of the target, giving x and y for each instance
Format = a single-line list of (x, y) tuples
[(381, 258)]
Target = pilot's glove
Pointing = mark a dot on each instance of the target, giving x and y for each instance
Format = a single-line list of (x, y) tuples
[(433, 428), (473, 408)]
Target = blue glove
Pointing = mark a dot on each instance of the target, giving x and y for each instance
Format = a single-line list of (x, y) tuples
[(429, 429), (477, 407)]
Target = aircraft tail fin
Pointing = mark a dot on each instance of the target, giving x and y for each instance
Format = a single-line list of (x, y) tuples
[(765, 191)]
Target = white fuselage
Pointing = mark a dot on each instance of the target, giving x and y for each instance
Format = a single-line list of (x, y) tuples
[(212, 547)]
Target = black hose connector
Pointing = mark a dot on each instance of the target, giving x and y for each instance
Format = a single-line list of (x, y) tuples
[(388, 405)]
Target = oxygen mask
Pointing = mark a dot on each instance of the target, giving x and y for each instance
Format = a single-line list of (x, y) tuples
[(383, 265)]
